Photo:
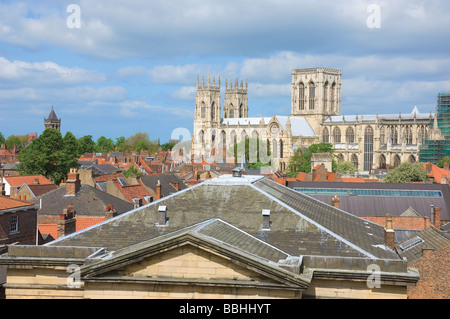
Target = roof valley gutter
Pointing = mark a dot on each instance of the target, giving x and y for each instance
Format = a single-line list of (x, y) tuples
[(316, 224)]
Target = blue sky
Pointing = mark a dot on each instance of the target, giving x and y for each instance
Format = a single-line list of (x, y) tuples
[(132, 66)]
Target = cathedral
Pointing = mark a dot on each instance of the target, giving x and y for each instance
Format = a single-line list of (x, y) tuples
[(375, 141)]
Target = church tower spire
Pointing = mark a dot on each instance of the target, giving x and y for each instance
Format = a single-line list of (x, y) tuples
[(52, 121)]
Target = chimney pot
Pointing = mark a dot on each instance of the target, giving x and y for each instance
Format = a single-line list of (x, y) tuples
[(335, 202)]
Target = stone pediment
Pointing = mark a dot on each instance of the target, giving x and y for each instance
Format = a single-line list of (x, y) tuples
[(196, 256)]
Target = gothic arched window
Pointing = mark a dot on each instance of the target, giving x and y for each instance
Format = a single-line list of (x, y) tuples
[(326, 135), (350, 135), (337, 135), (355, 161), (301, 96), (312, 95), (368, 148)]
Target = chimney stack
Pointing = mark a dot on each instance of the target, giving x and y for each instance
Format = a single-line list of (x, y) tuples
[(436, 217), (162, 215), (266, 219), (67, 222), (335, 201), (158, 190), (110, 212), (389, 233), (73, 182)]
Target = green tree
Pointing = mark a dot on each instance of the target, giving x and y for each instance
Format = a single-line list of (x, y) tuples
[(140, 141), (406, 173), (104, 145), (120, 144), (301, 161), (440, 162), (168, 146), (254, 156), (86, 145), (12, 141), (2, 139), (132, 171), (50, 155), (296, 162), (345, 168)]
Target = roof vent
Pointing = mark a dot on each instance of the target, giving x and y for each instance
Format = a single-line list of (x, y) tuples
[(266, 219), (237, 172), (162, 215)]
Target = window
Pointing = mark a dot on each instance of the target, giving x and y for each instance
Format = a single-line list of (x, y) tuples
[(355, 161), (325, 97), (333, 97), (397, 161), (368, 148), (412, 159), (301, 96), (382, 162), (337, 135), (14, 224), (394, 135), (350, 135), (213, 111), (408, 135), (326, 135), (281, 149), (312, 95), (203, 110), (275, 151), (241, 110), (382, 136)]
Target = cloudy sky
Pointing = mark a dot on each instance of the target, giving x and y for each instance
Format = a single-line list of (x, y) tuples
[(115, 68)]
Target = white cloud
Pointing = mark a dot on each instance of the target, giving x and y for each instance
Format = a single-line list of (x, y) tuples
[(132, 109), (44, 73), (185, 93)]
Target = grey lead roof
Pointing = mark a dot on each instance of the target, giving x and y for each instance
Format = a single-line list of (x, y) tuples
[(300, 225)]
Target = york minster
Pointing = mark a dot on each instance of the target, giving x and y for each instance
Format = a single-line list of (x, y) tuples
[(369, 141)]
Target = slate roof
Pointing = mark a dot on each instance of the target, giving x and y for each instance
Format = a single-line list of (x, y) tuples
[(429, 238), (364, 206), (88, 201), (52, 116), (166, 181), (300, 225), (38, 190)]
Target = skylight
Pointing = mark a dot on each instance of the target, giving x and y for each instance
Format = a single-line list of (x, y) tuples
[(411, 243)]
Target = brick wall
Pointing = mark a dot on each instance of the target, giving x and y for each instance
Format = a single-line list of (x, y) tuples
[(414, 223), (434, 283), (26, 234)]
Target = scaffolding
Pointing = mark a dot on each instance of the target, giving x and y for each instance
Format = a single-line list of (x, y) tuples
[(443, 113), (432, 151)]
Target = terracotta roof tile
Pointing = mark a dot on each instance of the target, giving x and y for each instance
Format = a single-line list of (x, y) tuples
[(18, 181), (7, 203)]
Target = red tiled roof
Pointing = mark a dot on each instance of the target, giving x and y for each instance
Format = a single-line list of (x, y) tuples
[(437, 172), (51, 229), (7, 203), (87, 221), (18, 181)]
